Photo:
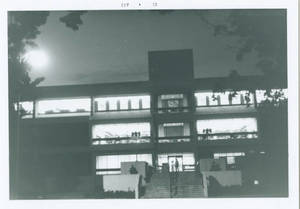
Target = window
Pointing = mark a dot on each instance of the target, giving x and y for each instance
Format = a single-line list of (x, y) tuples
[(63, 106), (229, 128), (228, 125), (230, 157), (111, 164), (122, 103), (121, 130), (26, 109), (173, 132), (173, 129), (187, 158), (223, 98), (172, 102)]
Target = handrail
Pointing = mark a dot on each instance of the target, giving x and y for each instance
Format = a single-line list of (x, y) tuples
[(235, 135), (224, 105), (174, 137), (121, 110), (120, 138), (171, 139)]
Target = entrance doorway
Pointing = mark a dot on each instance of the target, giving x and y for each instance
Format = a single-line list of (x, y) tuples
[(172, 161)]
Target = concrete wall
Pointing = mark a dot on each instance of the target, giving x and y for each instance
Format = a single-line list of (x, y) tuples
[(140, 166), (123, 182), (225, 178), (205, 164)]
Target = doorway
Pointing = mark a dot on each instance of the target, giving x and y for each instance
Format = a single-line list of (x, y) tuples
[(172, 160)]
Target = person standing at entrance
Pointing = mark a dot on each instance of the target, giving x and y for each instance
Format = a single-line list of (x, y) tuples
[(176, 165), (172, 166)]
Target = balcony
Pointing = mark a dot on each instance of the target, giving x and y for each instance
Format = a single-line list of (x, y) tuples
[(172, 109), (227, 102), (63, 107), (122, 107), (227, 136), (121, 140), (174, 139)]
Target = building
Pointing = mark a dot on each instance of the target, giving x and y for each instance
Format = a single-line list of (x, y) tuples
[(71, 135)]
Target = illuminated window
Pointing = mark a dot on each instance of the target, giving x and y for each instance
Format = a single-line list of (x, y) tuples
[(187, 158), (113, 162), (218, 98), (121, 130), (122, 103), (228, 125), (230, 157), (172, 103), (173, 129), (26, 109), (63, 106)]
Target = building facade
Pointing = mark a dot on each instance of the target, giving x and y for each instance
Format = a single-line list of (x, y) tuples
[(88, 130)]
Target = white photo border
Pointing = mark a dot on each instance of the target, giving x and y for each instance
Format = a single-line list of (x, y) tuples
[(233, 203)]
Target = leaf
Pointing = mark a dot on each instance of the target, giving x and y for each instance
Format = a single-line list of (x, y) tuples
[(73, 19)]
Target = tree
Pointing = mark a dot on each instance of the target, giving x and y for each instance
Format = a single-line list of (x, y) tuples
[(259, 31), (23, 28)]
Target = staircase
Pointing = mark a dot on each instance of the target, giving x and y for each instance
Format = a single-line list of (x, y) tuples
[(182, 185), (158, 187), (187, 185)]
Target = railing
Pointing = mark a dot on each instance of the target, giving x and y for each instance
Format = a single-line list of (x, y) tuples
[(122, 110), (174, 139), (228, 136), (104, 171), (189, 167), (226, 105), (185, 167), (50, 113), (172, 109), (121, 140)]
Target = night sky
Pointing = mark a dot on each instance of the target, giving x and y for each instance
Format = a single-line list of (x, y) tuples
[(112, 46)]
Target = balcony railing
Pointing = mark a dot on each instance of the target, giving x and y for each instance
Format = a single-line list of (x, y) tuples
[(174, 139), (227, 136), (105, 171), (122, 110), (185, 167), (172, 109), (226, 105), (121, 140)]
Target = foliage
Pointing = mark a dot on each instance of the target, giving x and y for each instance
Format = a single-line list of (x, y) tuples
[(260, 31), (73, 19), (23, 29)]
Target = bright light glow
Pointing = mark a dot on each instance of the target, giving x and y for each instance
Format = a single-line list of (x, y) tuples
[(37, 58), (228, 125), (120, 130)]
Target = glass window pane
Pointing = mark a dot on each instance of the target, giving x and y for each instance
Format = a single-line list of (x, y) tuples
[(135, 103), (63, 106), (26, 108), (230, 160), (114, 161), (206, 98), (230, 125), (145, 157), (146, 102), (101, 105), (120, 130), (123, 103)]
